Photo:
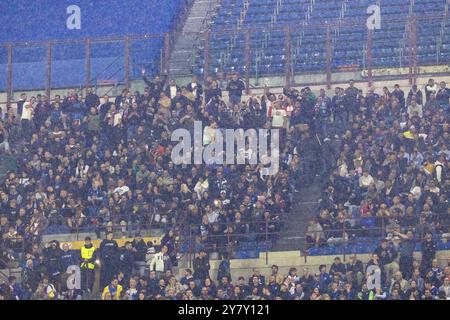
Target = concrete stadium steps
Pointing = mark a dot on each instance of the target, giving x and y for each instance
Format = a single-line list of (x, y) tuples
[(183, 53), (5, 273), (303, 208)]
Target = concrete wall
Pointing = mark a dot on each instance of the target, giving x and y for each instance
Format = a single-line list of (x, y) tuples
[(286, 260), (276, 83)]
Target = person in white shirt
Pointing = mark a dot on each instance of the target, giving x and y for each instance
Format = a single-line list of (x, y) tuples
[(172, 89), (430, 88), (209, 134), (201, 186), (27, 117), (279, 117), (121, 188), (415, 107), (365, 180)]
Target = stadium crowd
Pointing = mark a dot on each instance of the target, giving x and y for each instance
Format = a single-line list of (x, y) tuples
[(101, 165)]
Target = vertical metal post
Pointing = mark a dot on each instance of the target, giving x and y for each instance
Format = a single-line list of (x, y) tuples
[(247, 61), (48, 79), (9, 90), (410, 59), (127, 62), (414, 49), (306, 250), (288, 57), (166, 54), (206, 55), (228, 244), (369, 57), (88, 63), (190, 246), (267, 241), (329, 57), (343, 238)]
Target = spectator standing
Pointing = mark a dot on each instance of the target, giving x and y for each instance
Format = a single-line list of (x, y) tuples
[(407, 247), (108, 254), (428, 248), (235, 87), (88, 256), (430, 89), (201, 266), (161, 262)]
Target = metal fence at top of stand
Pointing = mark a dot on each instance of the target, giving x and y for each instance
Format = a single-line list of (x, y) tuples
[(47, 65)]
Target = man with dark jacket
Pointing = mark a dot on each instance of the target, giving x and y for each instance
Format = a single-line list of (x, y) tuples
[(92, 99), (104, 108), (306, 281), (155, 87), (415, 92), (355, 272), (387, 254), (443, 95), (428, 247), (172, 89), (140, 250), (399, 94), (338, 268), (235, 88), (20, 103), (201, 266), (120, 100), (351, 101), (108, 253), (407, 247), (42, 111), (126, 260)]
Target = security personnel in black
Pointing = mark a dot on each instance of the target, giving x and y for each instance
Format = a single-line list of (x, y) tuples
[(108, 254), (88, 256)]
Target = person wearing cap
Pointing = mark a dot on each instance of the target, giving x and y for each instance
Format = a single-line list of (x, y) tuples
[(88, 255)]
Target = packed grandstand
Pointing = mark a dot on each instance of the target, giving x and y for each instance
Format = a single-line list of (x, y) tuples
[(95, 206)]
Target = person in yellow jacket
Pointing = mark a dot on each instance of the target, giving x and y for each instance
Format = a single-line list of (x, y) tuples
[(112, 291), (87, 253)]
